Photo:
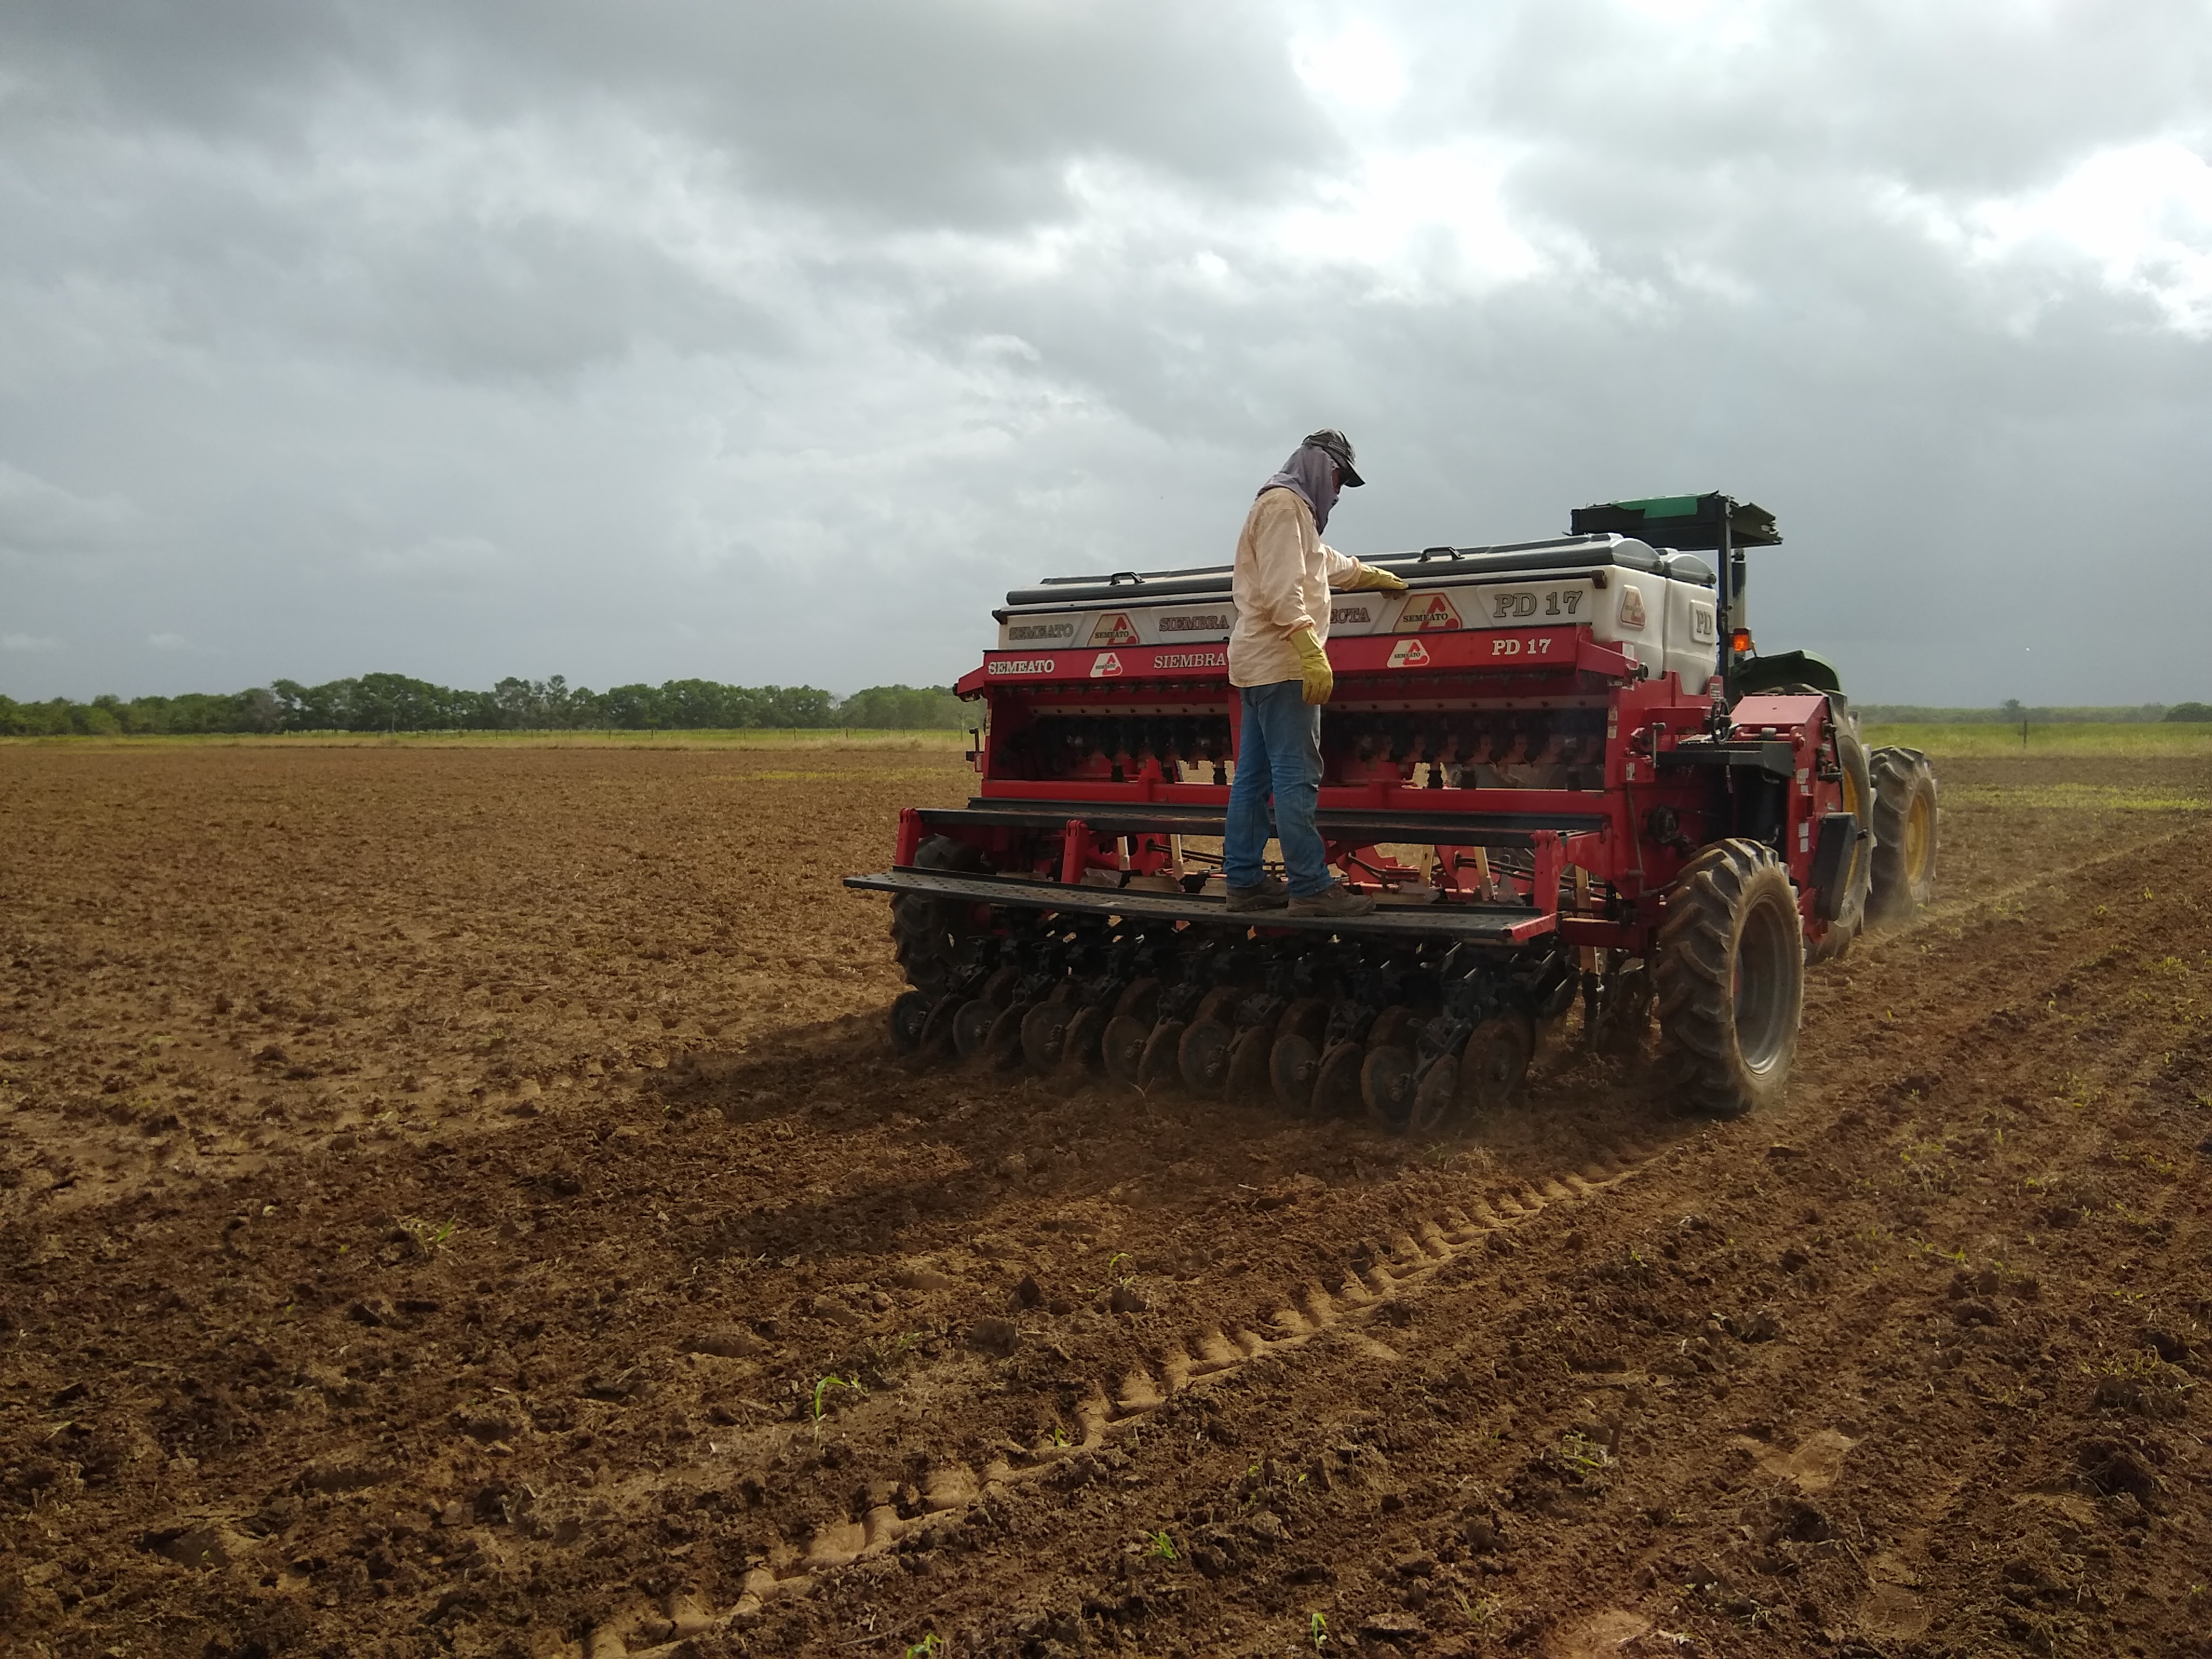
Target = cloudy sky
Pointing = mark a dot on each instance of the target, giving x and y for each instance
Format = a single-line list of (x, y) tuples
[(773, 343)]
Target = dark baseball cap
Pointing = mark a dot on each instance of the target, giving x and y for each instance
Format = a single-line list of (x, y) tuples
[(1337, 448)]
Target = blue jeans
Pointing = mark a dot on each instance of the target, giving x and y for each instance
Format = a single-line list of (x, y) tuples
[(1279, 751)]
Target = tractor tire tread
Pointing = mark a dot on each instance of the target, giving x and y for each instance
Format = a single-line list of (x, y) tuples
[(1700, 1047), (926, 932), (1900, 776)]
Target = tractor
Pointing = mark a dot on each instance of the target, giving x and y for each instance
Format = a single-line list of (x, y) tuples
[(1562, 768)]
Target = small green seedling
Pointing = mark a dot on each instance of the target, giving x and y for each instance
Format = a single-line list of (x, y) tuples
[(1159, 1545), (822, 1393), (1589, 1456), (928, 1648), (1480, 1613), (1317, 1629), (427, 1235)]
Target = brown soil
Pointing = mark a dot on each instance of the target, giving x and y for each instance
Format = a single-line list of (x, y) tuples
[(437, 1185)]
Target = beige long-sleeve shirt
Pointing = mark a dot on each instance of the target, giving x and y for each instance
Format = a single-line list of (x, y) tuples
[(1283, 576)]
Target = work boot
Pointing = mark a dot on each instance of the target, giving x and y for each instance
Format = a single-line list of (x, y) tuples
[(1270, 895), (1334, 900)]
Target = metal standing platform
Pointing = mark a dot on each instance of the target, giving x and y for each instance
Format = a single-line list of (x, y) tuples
[(1365, 828), (1481, 924)]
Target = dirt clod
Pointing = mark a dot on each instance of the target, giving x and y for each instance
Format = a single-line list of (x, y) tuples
[(996, 1337)]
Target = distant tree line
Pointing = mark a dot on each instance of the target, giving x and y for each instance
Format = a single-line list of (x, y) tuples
[(2012, 712), (394, 703)]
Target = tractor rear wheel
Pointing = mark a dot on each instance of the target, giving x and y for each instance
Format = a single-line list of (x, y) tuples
[(1904, 834), (1731, 978), (1858, 798), (928, 932)]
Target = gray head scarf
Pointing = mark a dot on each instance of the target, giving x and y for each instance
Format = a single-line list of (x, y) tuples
[(1310, 471)]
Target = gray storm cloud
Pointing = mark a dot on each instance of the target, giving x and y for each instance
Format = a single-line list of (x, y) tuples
[(772, 343)]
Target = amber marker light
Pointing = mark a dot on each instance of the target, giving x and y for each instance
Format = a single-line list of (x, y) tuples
[(1740, 641)]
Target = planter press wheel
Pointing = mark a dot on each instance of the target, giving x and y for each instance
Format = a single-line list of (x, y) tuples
[(1306, 1018), (972, 1026), (1436, 1100), (1140, 1002), (1386, 1084), (1392, 1028), (1294, 1064), (1248, 1064), (1043, 1030), (1158, 1063), (909, 1014), (1495, 1063), (1123, 1047), (937, 1038), (1336, 1085), (1002, 1044), (1080, 1046), (1203, 1056), (1218, 1004), (999, 989)]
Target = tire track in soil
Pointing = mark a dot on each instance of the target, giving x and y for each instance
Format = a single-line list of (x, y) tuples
[(1897, 1556), (216, 1420), (1218, 1352), (1162, 1375)]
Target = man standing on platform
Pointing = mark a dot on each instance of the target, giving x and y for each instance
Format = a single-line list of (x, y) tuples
[(1283, 574)]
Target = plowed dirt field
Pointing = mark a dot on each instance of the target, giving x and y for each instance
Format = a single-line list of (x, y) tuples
[(463, 1199)]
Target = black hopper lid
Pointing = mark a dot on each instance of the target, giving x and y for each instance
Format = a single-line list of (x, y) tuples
[(1689, 522)]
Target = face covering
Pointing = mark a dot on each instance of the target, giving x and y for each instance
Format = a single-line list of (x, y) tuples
[(1312, 473)]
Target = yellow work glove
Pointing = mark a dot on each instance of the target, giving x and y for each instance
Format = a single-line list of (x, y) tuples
[(1381, 581), (1313, 664)]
